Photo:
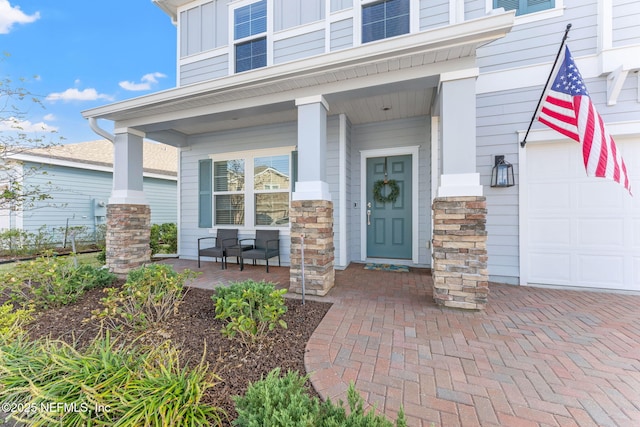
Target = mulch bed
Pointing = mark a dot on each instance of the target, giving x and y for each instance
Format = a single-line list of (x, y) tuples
[(193, 327)]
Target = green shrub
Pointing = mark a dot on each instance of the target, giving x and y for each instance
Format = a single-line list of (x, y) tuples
[(283, 401), (150, 295), (51, 281), (164, 238), (103, 385), (250, 308), (12, 321), (277, 401), (13, 242)]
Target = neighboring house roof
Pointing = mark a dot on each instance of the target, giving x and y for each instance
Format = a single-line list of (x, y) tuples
[(157, 158)]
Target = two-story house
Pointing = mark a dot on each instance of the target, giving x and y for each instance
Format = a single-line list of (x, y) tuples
[(387, 115)]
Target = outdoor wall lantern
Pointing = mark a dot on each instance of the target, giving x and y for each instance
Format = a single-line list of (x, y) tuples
[(502, 173)]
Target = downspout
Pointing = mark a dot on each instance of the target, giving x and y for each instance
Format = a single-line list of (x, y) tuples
[(93, 123)]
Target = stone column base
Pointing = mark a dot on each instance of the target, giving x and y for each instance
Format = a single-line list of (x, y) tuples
[(314, 219), (128, 236), (460, 275)]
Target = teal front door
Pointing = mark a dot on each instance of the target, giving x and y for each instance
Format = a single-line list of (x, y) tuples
[(388, 221)]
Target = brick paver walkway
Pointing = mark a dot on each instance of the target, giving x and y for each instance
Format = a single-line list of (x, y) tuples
[(534, 357)]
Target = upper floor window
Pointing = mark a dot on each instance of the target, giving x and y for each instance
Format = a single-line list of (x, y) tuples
[(249, 28), (385, 19), (523, 7)]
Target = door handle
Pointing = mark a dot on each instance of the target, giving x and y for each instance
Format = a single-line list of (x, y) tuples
[(368, 216)]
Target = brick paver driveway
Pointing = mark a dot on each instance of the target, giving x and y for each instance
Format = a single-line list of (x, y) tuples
[(535, 357)]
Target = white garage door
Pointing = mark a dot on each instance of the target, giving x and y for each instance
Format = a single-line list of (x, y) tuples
[(581, 231)]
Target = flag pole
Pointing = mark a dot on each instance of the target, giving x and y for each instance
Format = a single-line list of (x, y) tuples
[(564, 39)]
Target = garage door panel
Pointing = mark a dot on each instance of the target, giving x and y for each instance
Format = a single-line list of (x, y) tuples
[(600, 234), (546, 267), (599, 195), (546, 197), (550, 231), (541, 167), (600, 271)]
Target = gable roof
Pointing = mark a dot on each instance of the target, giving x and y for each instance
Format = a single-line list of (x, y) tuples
[(157, 158)]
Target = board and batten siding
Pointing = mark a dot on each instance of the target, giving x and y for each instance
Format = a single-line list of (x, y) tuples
[(205, 69), (500, 115), (297, 47), (341, 34), (337, 5), (392, 134), (201, 147), (537, 42), (292, 13), (204, 27), (433, 14), (626, 15)]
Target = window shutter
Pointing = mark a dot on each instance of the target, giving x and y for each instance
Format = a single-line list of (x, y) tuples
[(294, 170), (523, 7), (205, 199)]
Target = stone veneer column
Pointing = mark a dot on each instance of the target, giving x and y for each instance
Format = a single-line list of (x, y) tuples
[(128, 235), (460, 275), (314, 219)]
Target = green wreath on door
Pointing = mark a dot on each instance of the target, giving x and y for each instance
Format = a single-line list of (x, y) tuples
[(392, 195)]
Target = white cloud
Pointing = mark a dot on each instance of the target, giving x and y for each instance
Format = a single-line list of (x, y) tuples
[(77, 95), (145, 82), (10, 15), (50, 118), (12, 124)]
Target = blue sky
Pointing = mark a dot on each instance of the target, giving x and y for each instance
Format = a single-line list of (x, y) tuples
[(80, 54)]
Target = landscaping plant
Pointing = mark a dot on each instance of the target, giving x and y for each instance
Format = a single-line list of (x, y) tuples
[(250, 308), (164, 238), (49, 382), (50, 281), (12, 321), (150, 295), (284, 401)]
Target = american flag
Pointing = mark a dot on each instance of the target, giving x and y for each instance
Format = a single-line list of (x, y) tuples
[(567, 108)]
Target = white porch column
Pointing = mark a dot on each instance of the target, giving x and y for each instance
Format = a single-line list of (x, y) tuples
[(128, 213), (311, 211), (127, 168), (312, 149), (458, 134)]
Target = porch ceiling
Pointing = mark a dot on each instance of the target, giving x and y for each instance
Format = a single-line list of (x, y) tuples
[(384, 80)]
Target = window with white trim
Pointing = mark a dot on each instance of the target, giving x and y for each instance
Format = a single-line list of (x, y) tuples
[(249, 33), (384, 19), (252, 189), (523, 7)]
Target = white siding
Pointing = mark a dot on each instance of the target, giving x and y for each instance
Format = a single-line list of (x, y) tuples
[(203, 27), (393, 133), (474, 9), (298, 47), (272, 136)]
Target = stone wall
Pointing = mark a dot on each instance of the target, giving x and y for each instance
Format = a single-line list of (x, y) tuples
[(314, 219), (460, 275), (128, 235)]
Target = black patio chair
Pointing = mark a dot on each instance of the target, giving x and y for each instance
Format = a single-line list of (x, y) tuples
[(224, 238), (266, 245)]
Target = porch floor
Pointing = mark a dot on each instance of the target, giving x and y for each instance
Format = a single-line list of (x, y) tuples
[(534, 357)]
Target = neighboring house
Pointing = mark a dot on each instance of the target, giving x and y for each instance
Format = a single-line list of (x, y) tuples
[(79, 179), (344, 94)]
